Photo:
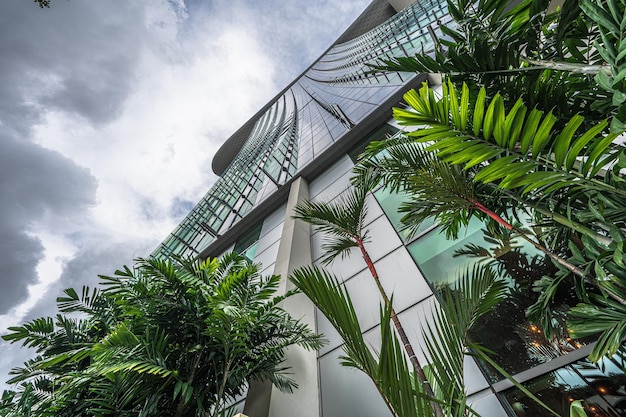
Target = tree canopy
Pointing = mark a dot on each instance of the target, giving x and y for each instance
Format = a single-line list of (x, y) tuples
[(180, 337)]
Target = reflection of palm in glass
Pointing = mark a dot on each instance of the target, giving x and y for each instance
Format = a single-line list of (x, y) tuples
[(518, 343)]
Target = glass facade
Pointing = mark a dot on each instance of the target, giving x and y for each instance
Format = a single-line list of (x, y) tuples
[(248, 243), (317, 110), (601, 386), (517, 343)]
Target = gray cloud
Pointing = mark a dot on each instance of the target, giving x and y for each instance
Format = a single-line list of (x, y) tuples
[(85, 58), (84, 268), (294, 33), (34, 181), (12, 356), (78, 56), (20, 255), (96, 95)]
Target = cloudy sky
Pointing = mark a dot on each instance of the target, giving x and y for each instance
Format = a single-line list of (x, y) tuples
[(110, 113)]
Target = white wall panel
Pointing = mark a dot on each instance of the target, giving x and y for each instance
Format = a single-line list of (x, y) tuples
[(268, 256), (330, 334), (347, 392), (373, 209), (273, 220), (332, 182), (414, 321), (382, 238), (474, 379), (346, 268), (269, 239), (400, 276), (267, 269)]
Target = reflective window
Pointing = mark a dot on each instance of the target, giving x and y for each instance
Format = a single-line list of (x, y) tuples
[(248, 242), (601, 387)]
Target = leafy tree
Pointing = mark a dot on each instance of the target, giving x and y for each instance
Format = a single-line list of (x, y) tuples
[(180, 338)]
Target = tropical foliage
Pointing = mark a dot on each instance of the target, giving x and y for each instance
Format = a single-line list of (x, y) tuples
[(527, 126), (522, 160), (449, 335), (388, 369), (176, 338), (570, 60)]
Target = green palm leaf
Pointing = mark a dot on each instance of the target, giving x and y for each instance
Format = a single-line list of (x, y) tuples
[(341, 220), (518, 150), (389, 370)]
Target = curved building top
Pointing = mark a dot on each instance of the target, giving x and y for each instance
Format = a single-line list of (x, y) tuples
[(375, 14)]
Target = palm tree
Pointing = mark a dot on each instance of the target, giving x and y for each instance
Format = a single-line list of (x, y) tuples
[(181, 337), (523, 159), (441, 191), (562, 63), (344, 221)]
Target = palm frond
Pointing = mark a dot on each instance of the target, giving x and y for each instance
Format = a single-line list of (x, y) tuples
[(33, 334), (518, 144), (477, 292), (85, 303), (389, 370)]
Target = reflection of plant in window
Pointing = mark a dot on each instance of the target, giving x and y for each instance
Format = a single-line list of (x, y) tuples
[(246, 245), (506, 330), (545, 348)]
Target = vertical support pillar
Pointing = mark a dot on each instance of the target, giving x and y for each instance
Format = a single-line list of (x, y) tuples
[(294, 250)]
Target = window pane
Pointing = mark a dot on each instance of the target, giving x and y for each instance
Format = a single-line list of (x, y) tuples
[(246, 245), (390, 202)]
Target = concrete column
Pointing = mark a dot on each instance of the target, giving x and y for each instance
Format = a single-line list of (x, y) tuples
[(294, 250)]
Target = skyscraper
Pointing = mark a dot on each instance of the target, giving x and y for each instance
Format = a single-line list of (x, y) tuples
[(302, 146)]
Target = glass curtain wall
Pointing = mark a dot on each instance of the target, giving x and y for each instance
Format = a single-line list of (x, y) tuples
[(317, 110)]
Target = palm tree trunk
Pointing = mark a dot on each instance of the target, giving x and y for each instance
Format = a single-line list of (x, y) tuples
[(401, 333)]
